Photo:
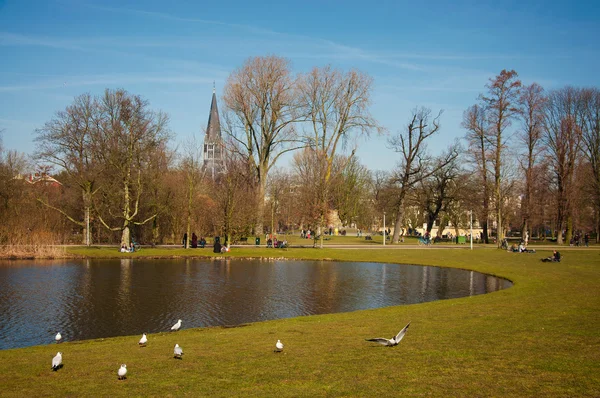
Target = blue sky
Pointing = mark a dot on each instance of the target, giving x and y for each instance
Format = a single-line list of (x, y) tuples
[(438, 54)]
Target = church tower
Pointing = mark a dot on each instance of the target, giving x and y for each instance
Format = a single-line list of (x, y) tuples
[(213, 143)]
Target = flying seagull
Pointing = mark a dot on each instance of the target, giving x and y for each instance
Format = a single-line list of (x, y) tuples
[(177, 352), (143, 340), (122, 372), (58, 337), (57, 361), (278, 346), (176, 327), (394, 340)]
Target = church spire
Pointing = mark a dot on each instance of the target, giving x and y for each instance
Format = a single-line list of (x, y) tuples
[(213, 130), (213, 143)]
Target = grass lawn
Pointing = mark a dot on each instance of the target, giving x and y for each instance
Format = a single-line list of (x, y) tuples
[(540, 338)]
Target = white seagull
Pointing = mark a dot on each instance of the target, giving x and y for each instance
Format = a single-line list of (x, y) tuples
[(122, 372), (143, 340), (177, 352), (394, 340), (176, 327), (58, 337), (278, 346), (57, 361)]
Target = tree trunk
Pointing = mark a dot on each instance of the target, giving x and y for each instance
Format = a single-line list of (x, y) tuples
[(87, 205), (498, 195), (155, 231), (260, 203), (126, 236), (188, 223)]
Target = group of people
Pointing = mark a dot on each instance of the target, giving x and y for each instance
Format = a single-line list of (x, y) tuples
[(305, 233), (576, 240), (219, 248), (127, 249), (277, 244), (521, 248), (195, 242)]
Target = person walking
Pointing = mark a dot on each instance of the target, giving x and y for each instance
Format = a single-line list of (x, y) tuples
[(586, 239)]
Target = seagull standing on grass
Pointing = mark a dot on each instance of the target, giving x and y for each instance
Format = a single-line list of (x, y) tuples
[(143, 340), (278, 346), (122, 372), (58, 337), (57, 361), (177, 352), (176, 327), (394, 340)]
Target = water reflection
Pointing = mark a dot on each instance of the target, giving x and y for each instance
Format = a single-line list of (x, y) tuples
[(102, 298)]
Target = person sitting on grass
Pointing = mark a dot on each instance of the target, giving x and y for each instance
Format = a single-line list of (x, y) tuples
[(555, 258)]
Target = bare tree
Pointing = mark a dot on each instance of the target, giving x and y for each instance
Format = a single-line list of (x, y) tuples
[(262, 106), (191, 166), (591, 144), (67, 141), (500, 104), (438, 192), (415, 164), (349, 190), (128, 135), (308, 168), (476, 124), (232, 192), (336, 105), (532, 103), (563, 141)]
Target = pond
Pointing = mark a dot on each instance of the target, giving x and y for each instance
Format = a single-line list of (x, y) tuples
[(87, 299)]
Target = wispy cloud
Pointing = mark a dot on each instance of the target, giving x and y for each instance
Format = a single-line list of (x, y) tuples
[(106, 80), (170, 17), (14, 39)]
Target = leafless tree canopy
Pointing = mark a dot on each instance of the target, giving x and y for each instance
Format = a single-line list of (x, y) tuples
[(263, 101), (479, 153), (336, 105), (501, 107), (532, 102), (415, 163)]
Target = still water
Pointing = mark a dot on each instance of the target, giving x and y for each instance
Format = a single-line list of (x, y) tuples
[(87, 299)]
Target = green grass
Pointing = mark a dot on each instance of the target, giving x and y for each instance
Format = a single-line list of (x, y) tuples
[(539, 338)]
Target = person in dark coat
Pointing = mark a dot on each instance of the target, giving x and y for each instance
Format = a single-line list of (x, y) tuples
[(194, 240)]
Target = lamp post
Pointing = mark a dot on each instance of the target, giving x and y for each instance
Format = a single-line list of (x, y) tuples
[(471, 223), (384, 228)]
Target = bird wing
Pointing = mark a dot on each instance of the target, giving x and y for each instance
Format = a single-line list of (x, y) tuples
[(56, 361), (401, 333), (380, 340)]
